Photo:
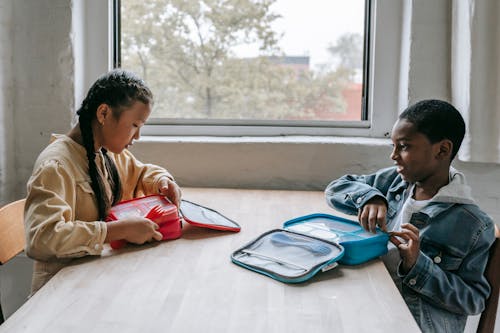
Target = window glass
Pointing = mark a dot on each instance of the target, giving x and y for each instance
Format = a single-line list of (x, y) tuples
[(251, 60)]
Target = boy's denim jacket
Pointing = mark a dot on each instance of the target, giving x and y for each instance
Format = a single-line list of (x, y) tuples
[(447, 282)]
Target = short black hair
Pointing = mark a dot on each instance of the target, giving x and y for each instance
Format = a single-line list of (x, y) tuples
[(438, 120)]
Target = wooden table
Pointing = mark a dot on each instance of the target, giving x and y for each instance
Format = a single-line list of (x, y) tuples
[(190, 284)]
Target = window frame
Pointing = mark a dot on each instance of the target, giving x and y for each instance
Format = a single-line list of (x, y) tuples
[(381, 86)]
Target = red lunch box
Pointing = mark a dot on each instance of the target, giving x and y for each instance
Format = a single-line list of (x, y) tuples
[(154, 207)]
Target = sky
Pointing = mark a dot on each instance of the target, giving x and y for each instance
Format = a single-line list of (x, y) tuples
[(310, 26)]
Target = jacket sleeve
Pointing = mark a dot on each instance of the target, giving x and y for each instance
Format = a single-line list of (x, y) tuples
[(351, 192), (456, 281), (138, 179), (49, 218)]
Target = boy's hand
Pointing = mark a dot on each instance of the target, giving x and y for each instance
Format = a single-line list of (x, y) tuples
[(171, 190), (373, 213), (409, 248)]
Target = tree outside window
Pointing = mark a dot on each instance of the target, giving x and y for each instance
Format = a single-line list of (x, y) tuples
[(189, 52)]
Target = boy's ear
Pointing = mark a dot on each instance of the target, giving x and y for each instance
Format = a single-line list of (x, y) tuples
[(445, 149), (103, 111)]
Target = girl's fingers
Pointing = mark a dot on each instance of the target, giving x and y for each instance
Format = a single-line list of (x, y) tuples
[(171, 190), (157, 236)]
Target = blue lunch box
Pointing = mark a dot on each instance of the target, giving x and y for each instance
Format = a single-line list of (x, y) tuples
[(359, 245)]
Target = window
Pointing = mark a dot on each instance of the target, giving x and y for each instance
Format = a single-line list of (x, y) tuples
[(260, 64)]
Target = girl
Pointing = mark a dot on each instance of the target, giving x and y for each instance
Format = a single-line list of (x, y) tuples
[(80, 175)]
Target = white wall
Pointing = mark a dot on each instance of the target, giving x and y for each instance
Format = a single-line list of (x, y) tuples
[(302, 163), (6, 98), (37, 73)]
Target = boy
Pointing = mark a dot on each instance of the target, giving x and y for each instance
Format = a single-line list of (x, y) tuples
[(440, 233)]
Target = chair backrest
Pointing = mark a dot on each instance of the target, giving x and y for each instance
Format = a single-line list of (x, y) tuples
[(488, 317), (12, 238)]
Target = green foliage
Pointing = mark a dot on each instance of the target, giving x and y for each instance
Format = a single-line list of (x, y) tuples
[(184, 49), (348, 51)]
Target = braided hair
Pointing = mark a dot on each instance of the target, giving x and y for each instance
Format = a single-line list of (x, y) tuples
[(119, 89)]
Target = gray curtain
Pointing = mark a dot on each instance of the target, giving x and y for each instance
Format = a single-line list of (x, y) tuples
[(475, 76)]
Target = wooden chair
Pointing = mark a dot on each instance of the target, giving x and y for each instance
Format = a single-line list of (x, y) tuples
[(488, 317), (12, 239)]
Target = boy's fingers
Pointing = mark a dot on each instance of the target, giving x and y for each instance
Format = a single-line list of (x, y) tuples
[(371, 215), (381, 220), (408, 239), (402, 234), (411, 231), (394, 240), (411, 227), (372, 220), (399, 237), (363, 219), (360, 212)]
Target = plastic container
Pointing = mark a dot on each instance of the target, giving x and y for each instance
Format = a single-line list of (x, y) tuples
[(288, 256), (154, 207), (359, 245)]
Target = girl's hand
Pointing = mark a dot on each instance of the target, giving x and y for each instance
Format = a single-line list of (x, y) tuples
[(171, 190), (409, 247), (373, 213), (135, 230)]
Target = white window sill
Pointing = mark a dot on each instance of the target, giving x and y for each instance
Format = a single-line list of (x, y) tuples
[(291, 162), (269, 139)]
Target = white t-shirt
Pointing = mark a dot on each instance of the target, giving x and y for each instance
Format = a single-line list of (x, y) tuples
[(410, 207), (392, 258)]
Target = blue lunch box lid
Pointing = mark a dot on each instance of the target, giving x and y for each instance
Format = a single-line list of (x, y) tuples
[(288, 256)]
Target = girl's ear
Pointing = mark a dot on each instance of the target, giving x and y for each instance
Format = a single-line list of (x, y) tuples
[(103, 112), (445, 149)]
